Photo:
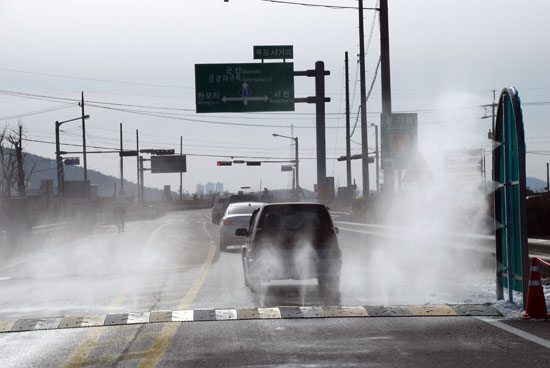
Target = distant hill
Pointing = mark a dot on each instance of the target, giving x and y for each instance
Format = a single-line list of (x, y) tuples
[(536, 185), (45, 169)]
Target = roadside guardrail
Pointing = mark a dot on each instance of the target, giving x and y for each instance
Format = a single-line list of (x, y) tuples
[(480, 242)]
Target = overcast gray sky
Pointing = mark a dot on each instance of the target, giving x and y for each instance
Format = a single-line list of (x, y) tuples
[(445, 55)]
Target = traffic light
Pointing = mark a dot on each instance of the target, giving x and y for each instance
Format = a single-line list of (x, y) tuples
[(158, 151), (225, 163), (253, 163)]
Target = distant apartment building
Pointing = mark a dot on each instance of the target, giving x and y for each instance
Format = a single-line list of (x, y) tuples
[(209, 188), (200, 190)]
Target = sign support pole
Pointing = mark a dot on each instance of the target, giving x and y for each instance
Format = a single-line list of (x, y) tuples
[(319, 100)]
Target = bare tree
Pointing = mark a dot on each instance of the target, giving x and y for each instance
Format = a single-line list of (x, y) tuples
[(7, 165), (12, 162)]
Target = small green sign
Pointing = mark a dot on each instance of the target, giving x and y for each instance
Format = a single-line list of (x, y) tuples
[(273, 52), (399, 136), (244, 87)]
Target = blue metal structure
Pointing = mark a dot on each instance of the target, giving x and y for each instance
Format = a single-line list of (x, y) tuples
[(512, 253)]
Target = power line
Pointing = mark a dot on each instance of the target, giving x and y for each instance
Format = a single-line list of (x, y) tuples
[(374, 17), (115, 150), (91, 79), (37, 112), (368, 94), (338, 7)]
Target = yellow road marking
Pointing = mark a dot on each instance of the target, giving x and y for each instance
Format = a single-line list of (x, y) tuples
[(110, 360), (156, 351), (125, 340), (79, 355), (81, 352)]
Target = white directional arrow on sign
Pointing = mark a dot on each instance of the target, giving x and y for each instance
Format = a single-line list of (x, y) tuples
[(244, 99)]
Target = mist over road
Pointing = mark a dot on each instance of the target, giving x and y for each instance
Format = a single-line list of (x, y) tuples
[(173, 263)]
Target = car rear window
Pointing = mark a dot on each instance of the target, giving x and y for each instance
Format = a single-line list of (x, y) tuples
[(243, 198), (294, 217), (241, 210)]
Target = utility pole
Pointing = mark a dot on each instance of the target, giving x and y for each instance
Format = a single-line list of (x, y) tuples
[(547, 177), (137, 156), (348, 133), (121, 164), (385, 57), (389, 170), (84, 138), (364, 137), (181, 174)]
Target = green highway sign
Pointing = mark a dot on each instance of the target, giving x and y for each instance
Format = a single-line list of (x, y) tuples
[(273, 52), (399, 137), (244, 87)]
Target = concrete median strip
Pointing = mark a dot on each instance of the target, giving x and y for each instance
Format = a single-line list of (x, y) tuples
[(231, 314)]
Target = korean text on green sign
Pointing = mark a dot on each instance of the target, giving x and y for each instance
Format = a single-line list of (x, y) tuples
[(399, 139), (244, 87), (273, 52)]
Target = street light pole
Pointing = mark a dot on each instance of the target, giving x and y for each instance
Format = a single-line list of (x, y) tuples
[(59, 162), (296, 160)]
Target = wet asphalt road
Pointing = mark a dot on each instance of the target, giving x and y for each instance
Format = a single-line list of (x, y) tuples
[(172, 263)]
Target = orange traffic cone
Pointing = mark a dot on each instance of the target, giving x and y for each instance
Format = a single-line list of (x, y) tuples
[(536, 305)]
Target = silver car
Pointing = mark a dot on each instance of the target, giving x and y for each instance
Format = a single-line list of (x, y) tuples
[(236, 216)]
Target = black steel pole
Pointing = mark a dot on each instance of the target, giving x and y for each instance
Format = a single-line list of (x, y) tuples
[(364, 137), (389, 170), (320, 129), (348, 130), (385, 57)]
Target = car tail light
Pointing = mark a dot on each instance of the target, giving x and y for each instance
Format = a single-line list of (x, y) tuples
[(229, 223)]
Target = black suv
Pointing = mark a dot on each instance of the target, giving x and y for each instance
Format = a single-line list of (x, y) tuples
[(291, 241)]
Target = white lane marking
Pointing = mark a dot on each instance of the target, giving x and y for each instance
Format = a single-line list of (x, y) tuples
[(516, 331)]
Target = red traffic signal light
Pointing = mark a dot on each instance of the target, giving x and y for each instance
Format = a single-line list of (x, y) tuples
[(225, 163)]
